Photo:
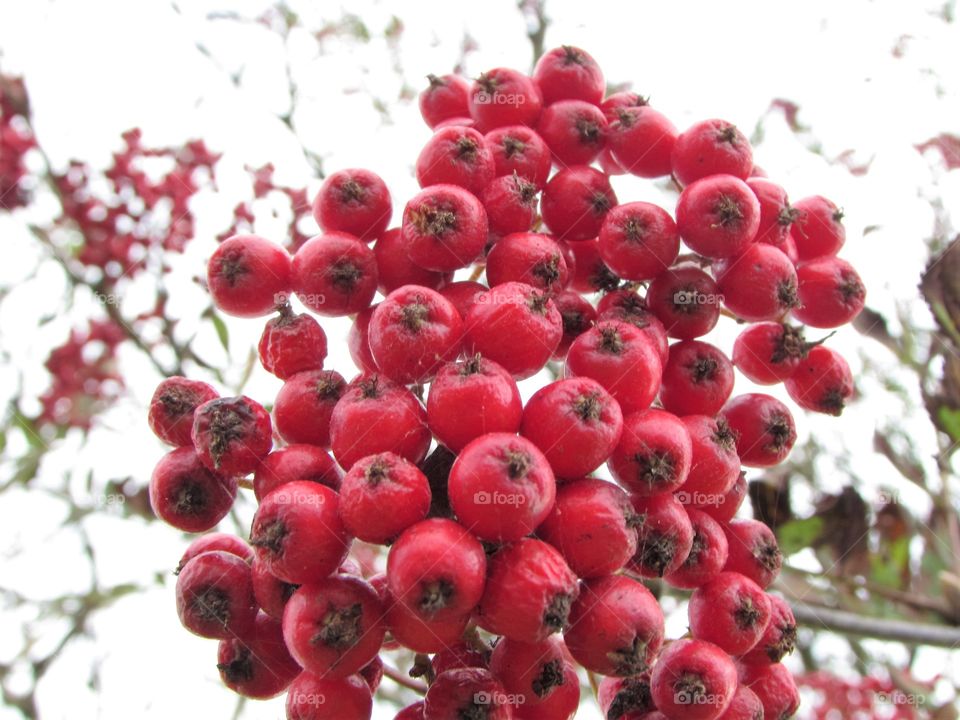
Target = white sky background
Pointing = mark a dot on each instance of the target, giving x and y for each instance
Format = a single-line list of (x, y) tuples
[(95, 69)]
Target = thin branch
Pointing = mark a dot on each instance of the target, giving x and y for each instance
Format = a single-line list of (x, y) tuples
[(401, 679), (848, 623)]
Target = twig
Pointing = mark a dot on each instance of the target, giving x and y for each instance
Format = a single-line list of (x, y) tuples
[(847, 623), (401, 679)]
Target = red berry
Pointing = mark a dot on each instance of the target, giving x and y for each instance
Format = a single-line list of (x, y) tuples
[(641, 140), (357, 344), (411, 712), (531, 672), (187, 495), (822, 382), (528, 593), (334, 627), (638, 240), (731, 611), (216, 541), (697, 379), (818, 228), (471, 398), (501, 487), (753, 551), (718, 216), (456, 156), (214, 596), (616, 626), (258, 666), (530, 258), (561, 704), (437, 569), (271, 592), (461, 655), (305, 404), (516, 326), (172, 408), (685, 300), (574, 130), (412, 332), (353, 201), (830, 291), (518, 149), (422, 634), (627, 306), (764, 429), (711, 147), (297, 532), (708, 553), (444, 98), (625, 698), (335, 274), (375, 415), (715, 465), (295, 462), (466, 693), (444, 228), (568, 72), (593, 525), (395, 268), (292, 343), (503, 97), (607, 163), (622, 359), (248, 276), (744, 706), (775, 687), (664, 535), (620, 100), (578, 316), (463, 294), (654, 453), (312, 697), (721, 507), (768, 353), (575, 423), (575, 202), (780, 637), (693, 680), (591, 273), (759, 284), (511, 204), (381, 496), (776, 213), (232, 434)]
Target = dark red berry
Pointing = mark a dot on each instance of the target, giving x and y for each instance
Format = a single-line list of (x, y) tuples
[(718, 216), (216, 541), (305, 404), (466, 693), (753, 551), (444, 98), (258, 666), (574, 130), (214, 596), (654, 453), (686, 300), (335, 274), (519, 149), (295, 462), (638, 240), (575, 202), (697, 379), (693, 680), (711, 147), (708, 553), (456, 156), (759, 284), (818, 228), (501, 97), (172, 407), (641, 140), (664, 535), (444, 228), (395, 268), (353, 201), (776, 213), (731, 611), (530, 258), (578, 316), (830, 292), (764, 429), (822, 382), (780, 637), (184, 493), (774, 686), (530, 672), (714, 465), (568, 72), (511, 204), (248, 276), (768, 353), (232, 435), (312, 697), (292, 343)]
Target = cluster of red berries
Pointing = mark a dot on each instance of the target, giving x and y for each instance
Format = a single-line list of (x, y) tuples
[(501, 528), (16, 141)]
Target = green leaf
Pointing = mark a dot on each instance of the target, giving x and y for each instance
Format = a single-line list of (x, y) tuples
[(950, 421), (796, 535), (221, 327)]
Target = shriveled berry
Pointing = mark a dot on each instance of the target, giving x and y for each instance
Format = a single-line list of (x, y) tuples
[(292, 343), (172, 408), (232, 435)]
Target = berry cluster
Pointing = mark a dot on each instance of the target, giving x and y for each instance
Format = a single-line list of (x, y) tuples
[(508, 562), (16, 140)]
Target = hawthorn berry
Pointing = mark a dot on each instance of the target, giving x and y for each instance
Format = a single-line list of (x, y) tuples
[(531, 672), (248, 276), (627, 306), (297, 533), (708, 553), (616, 626), (818, 228), (353, 201), (711, 147), (568, 72), (714, 464), (768, 352), (271, 592), (381, 496), (215, 541), (780, 637), (593, 525), (304, 406), (258, 666), (575, 201), (763, 427), (463, 294), (685, 300), (731, 611), (510, 202), (530, 258), (718, 216), (822, 382), (295, 462), (376, 415), (561, 703), (412, 332), (654, 453), (501, 97), (334, 274), (638, 240), (578, 316), (697, 379), (574, 130), (214, 596), (456, 156), (758, 284), (291, 343), (830, 293), (232, 435), (333, 627), (501, 487), (519, 150), (466, 693), (444, 228), (664, 535), (395, 268), (444, 98), (575, 422), (590, 274), (315, 697), (528, 593), (641, 140), (776, 214), (186, 494), (774, 686), (172, 408), (693, 680), (753, 551)]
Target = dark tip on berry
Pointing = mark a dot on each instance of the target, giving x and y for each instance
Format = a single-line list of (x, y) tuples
[(233, 266), (574, 322), (832, 402), (784, 645), (600, 203), (340, 628), (435, 81), (414, 315), (698, 546), (328, 388), (768, 555), (657, 552), (703, 369), (467, 149), (227, 419), (611, 341), (345, 275), (724, 436), (633, 696), (471, 366), (433, 221), (746, 614), (837, 216), (573, 56), (791, 344), (787, 294), (271, 538), (691, 686), (728, 211), (603, 278), (212, 604), (787, 216), (851, 289), (630, 660), (512, 146), (239, 669), (352, 192), (488, 83), (435, 596), (547, 271), (526, 190), (588, 131), (191, 498), (634, 229), (538, 303), (780, 431), (370, 387), (551, 676), (558, 612), (588, 407), (518, 464), (378, 471), (655, 468), (728, 134)]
